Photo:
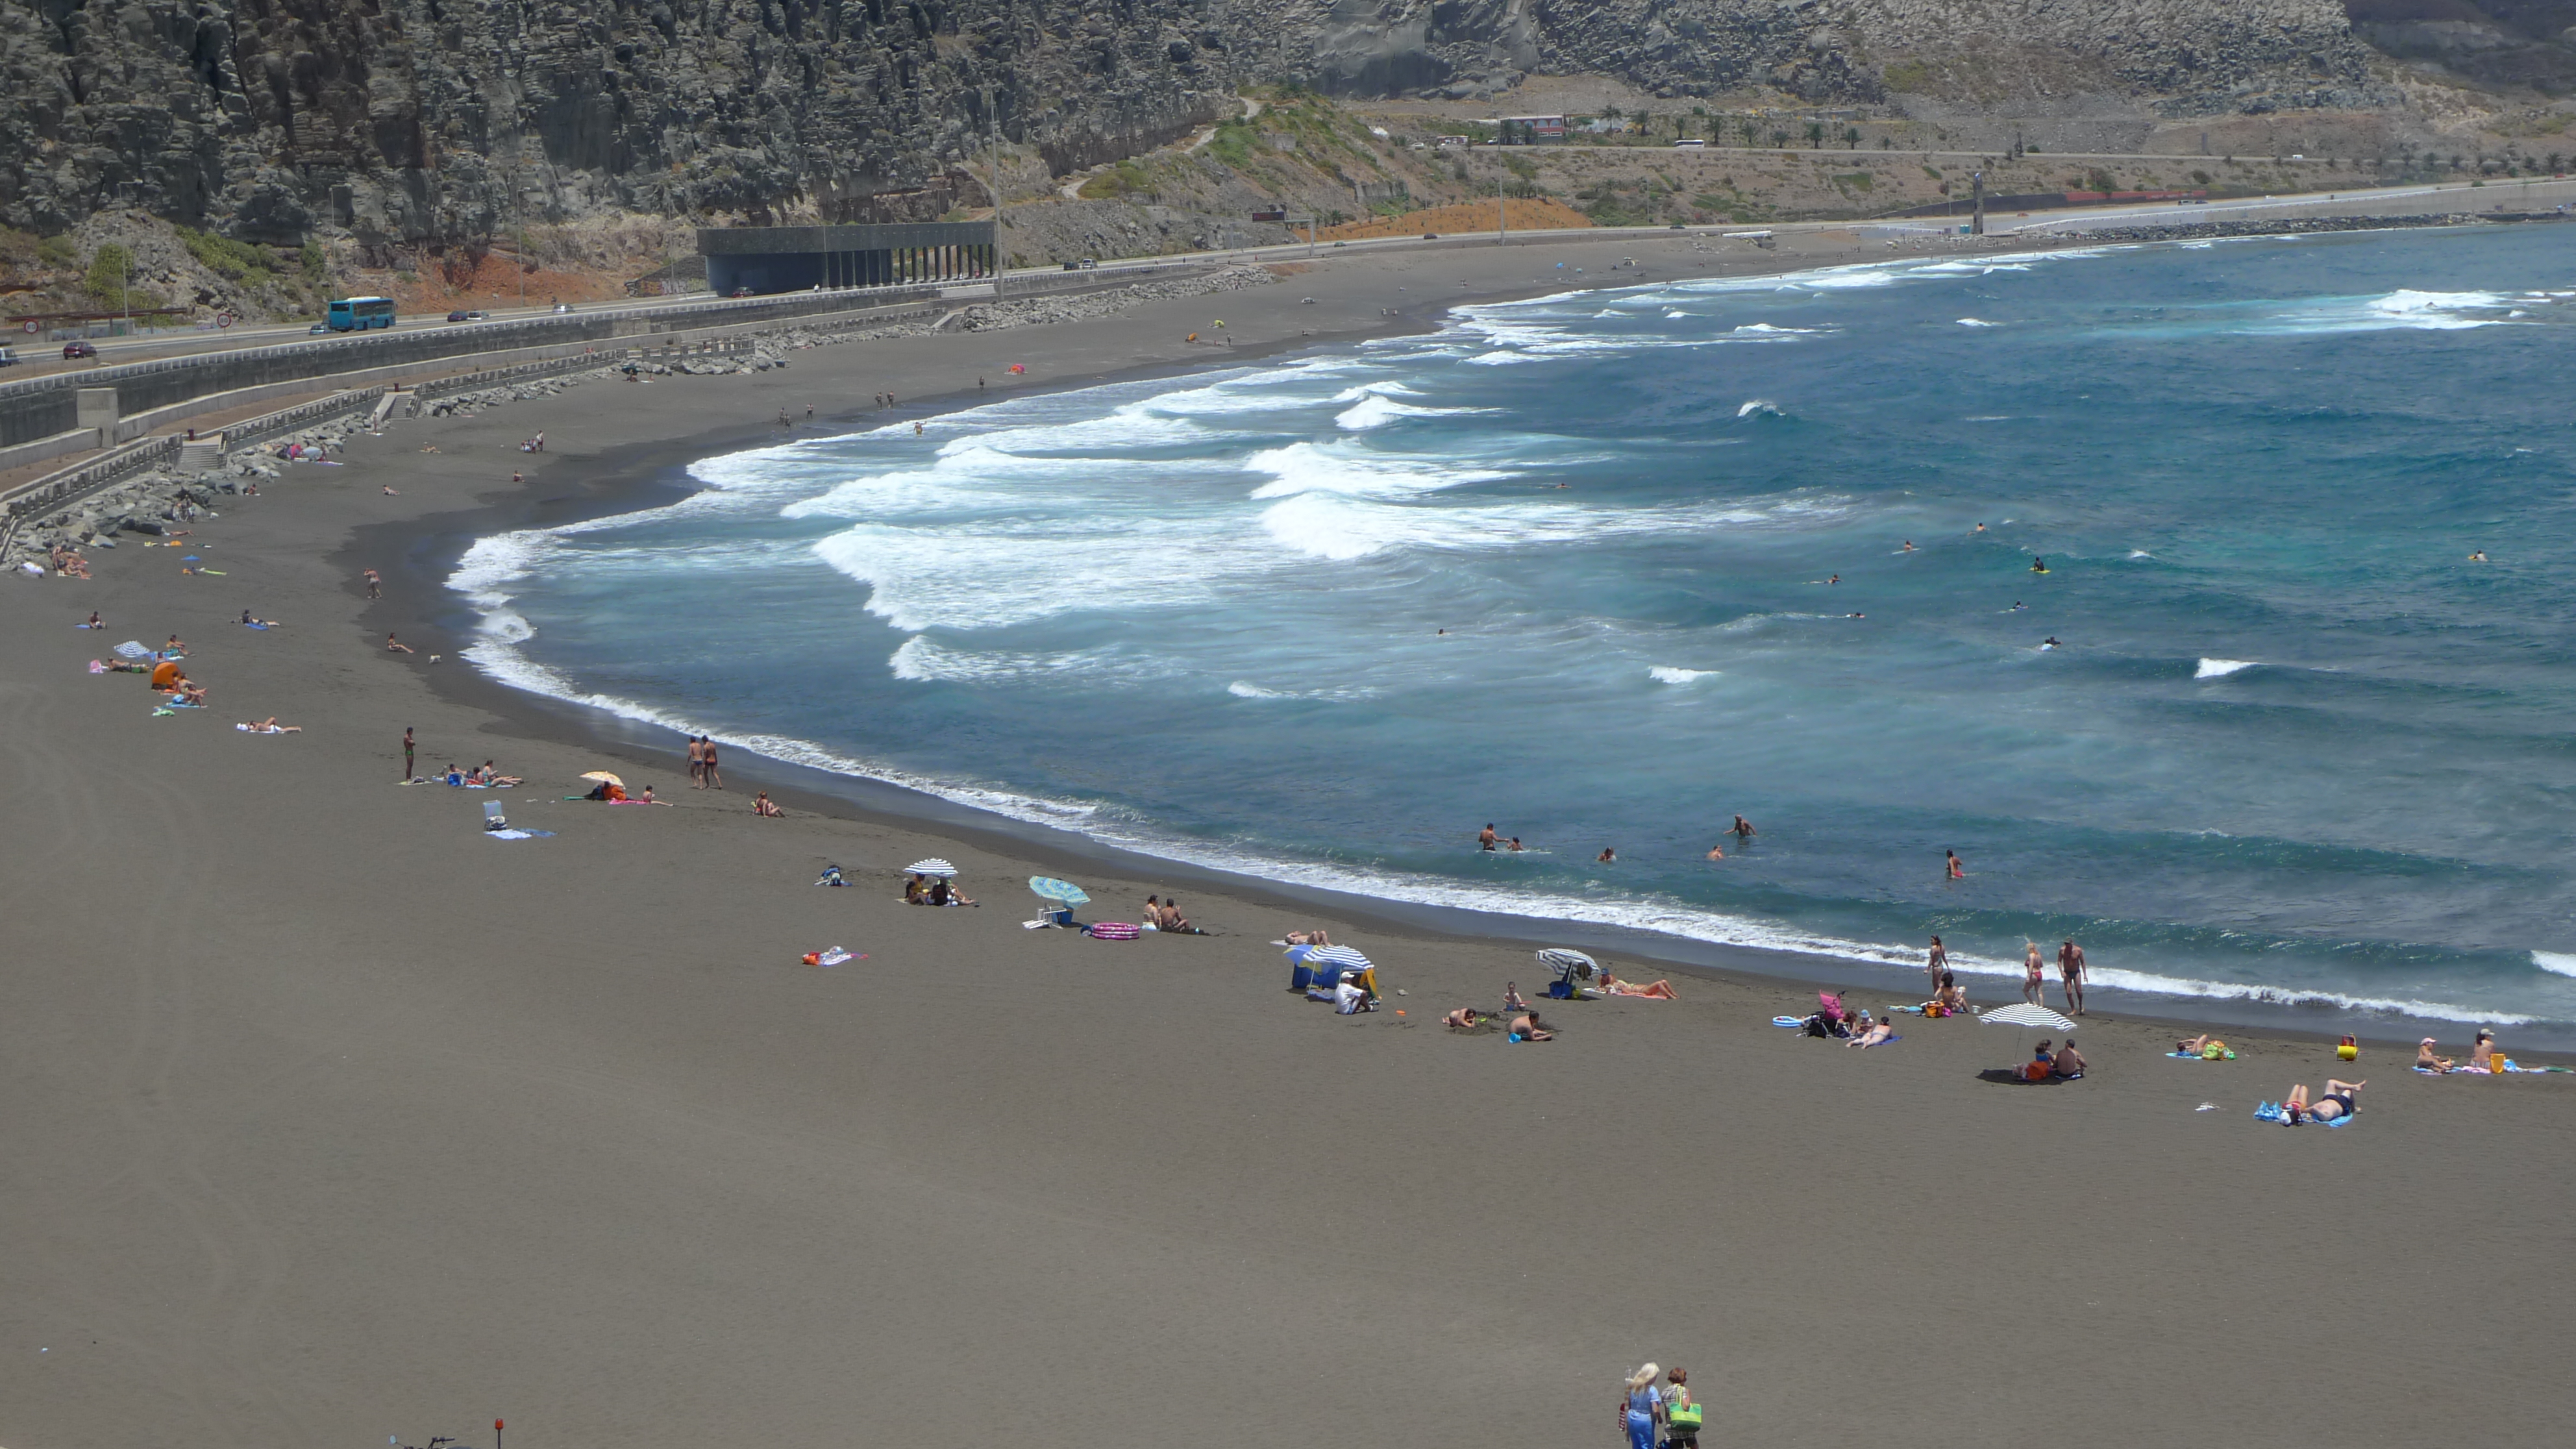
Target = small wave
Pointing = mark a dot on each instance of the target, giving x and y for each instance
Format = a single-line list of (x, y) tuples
[(1246, 689), (2221, 668), (2140, 553), (2564, 965), (1670, 675), (1973, 322), (1374, 412), (1676, 314), (1759, 407), (1989, 418)]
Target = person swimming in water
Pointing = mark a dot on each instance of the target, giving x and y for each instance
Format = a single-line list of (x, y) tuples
[(2049, 643), (2039, 565)]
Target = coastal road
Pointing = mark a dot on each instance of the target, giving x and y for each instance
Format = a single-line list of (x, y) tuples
[(2519, 195)]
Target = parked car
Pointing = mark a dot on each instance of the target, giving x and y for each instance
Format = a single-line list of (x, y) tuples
[(742, 291), (75, 350), (8, 358), (320, 328)]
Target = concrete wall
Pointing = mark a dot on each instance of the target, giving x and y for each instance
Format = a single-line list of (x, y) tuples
[(775, 259), (41, 407)]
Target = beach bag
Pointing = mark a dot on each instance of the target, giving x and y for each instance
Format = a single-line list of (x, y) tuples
[(1684, 1418)]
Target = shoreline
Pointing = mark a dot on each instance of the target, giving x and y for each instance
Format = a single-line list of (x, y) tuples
[(647, 475)]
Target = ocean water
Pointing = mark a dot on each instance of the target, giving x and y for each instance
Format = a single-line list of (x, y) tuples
[(1610, 567)]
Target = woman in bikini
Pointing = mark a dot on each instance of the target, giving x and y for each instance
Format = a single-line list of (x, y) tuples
[(2030, 966), (1659, 991)]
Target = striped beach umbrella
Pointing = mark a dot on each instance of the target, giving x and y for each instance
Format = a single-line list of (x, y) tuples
[(2026, 1015), (1560, 958), (932, 866)]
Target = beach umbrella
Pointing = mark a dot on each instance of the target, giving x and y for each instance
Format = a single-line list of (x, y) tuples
[(932, 866), (2026, 1015), (1559, 958), (1062, 892), (1342, 956), (605, 778)]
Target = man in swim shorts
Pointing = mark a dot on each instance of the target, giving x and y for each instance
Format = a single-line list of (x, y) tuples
[(1485, 837), (2070, 972)]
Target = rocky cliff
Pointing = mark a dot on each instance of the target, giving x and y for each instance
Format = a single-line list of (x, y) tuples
[(409, 121)]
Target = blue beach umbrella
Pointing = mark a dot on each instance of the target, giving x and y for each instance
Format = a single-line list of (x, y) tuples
[(1063, 892)]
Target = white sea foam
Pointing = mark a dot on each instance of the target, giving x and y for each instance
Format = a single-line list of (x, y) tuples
[(1670, 675), (1353, 469), (1246, 689), (2140, 553), (2221, 668), (1973, 322), (1376, 412), (1758, 407), (2406, 308), (2554, 961)]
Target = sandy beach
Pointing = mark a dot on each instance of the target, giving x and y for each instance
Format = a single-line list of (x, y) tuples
[(332, 1119)]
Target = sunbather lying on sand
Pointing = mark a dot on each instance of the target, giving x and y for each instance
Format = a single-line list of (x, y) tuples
[(2336, 1103), (1315, 937), (1657, 991), (270, 726), (1875, 1036)]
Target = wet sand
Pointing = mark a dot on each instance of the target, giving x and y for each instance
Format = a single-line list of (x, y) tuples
[(331, 1118)]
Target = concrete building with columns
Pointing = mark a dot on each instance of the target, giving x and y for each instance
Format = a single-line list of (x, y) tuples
[(762, 259)]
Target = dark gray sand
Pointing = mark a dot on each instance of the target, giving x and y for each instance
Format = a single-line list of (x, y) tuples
[(329, 1119)]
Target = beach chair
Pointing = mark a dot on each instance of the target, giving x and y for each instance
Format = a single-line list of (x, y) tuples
[(493, 819)]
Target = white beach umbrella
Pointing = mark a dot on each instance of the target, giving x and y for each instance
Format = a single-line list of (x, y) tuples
[(2026, 1015), (932, 866), (1559, 958)]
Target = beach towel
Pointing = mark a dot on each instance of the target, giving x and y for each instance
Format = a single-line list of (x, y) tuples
[(254, 626), (132, 649), (515, 834), (1788, 1021), (2197, 1057), (95, 667), (832, 956), (257, 730)]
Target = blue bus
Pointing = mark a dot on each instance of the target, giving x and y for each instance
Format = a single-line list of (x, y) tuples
[(357, 314)]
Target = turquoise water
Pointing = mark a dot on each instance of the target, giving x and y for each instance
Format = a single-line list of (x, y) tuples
[(2293, 745)]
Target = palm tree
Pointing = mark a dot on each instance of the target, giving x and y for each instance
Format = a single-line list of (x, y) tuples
[(1815, 134)]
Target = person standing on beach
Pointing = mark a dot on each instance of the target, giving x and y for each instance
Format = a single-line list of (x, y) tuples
[(707, 762), (1957, 870), (1641, 1408), (1936, 961), (2030, 984), (697, 765), (2070, 972), (407, 748), (375, 585), (1485, 837)]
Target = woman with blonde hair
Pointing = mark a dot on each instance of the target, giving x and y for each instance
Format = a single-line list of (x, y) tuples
[(1641, 1408)]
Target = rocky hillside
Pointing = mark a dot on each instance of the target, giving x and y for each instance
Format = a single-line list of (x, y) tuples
[(414, 126)]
